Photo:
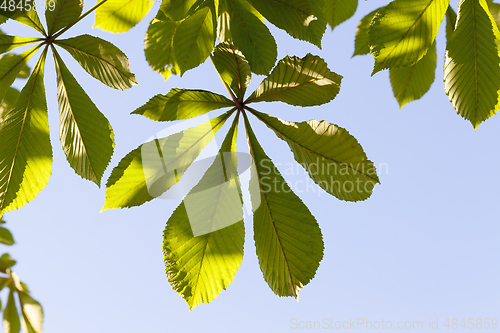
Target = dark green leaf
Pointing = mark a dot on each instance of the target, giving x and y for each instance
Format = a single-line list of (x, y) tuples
[(301, 19), (451, 20), (333, 158), (6, 261), (62, 13), (251, 36), (85, 133), (11, 322), (6, 236), (287, 237), (232, 67), (182, 104), (177, 10), (362, 39), (25, 15), (337, 11), (158, 46), (194, 39), (301, 82)]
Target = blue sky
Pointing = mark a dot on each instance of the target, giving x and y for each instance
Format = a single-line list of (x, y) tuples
[(423, 247)]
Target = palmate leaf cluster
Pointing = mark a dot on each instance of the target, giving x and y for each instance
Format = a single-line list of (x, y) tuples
[(287, 236), (235, 35), (401, 37), (30, 314), (85, 133)]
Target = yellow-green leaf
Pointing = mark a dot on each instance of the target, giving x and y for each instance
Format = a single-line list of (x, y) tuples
[(402, 31), (182, 104), (121, 15), (412, 82), (203, 239), (333, 158), (472, 64), (101, 59), (25, 152)]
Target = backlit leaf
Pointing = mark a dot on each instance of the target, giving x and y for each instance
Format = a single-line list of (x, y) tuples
[(412, 82), (25, 152), (402, 31), (333, 158), (182, 104), (121, 15), (472, 70), (101, 59), (301, 82), (251, 36), (287, 237), (85, 134), (128, 184), (203, 239), (62, 14)]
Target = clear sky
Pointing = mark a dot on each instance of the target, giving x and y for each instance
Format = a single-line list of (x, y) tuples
[(423, 247)]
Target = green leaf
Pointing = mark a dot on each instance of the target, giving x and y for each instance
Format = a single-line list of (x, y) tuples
[(412, 82), (101, 59), (4, 282), (8, 101), (495, 11), (362, 39), (287, 237), (402, 31), (337, 11), (158, 46), (8, 43), (128, 184), (25, 153), (62, 13), (194, 39), (301, 82), (11, 322), (3, 19), (32, 313), (333, 158), (251, 36), (26, 15), (85, 133), (204, 237), (451, 20), (182, 104), (299, 18), (11, 67), (232, 67), (6, 261), (121, 15), (177, 10), (471, 70), (6, 236)]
